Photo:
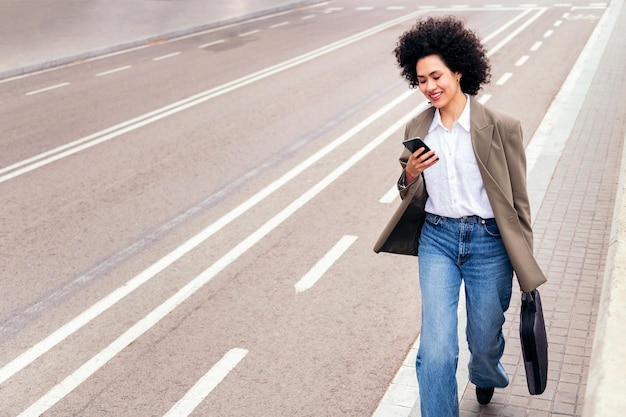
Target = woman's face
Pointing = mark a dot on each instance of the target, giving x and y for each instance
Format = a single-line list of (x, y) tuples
[(438, 84)]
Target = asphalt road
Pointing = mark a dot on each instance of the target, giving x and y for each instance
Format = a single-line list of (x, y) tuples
[(187, 227)]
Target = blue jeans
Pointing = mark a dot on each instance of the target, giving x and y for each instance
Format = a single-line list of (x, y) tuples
[(451, 250)]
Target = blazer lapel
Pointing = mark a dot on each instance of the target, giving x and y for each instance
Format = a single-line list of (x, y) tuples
[(481, 131)]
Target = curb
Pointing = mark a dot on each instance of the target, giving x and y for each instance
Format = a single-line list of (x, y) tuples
[(165, 36)]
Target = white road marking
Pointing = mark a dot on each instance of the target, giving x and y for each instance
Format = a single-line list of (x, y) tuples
[(30, 355), (310, 16), (364, 8), (390, 196), (252, 32), (79, 145), (536, 46), (522, 60), (159, 58), (558, 23), (42, 90), (505, 77), (484, 98), (516, 32), (211, 43), (207, 383), (395, 7), (124, 68), (72, 381), (495, 6), (277, 25), (548, 33), (324, 264)]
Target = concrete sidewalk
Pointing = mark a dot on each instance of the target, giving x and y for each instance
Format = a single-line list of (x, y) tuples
[(36, 35), (579, 235)]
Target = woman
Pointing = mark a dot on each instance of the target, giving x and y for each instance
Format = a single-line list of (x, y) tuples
[(465, 211)]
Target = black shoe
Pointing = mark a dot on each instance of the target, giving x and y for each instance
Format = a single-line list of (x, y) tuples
[(483, 395)]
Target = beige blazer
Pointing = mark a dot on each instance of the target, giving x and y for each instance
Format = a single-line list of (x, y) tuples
[(499, 150)]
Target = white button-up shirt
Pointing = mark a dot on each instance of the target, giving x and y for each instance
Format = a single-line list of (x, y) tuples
[(455, 187)]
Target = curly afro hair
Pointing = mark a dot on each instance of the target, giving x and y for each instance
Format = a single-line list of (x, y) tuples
[(458, 47)]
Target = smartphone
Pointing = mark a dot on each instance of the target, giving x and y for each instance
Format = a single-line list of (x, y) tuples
[(414, 144)]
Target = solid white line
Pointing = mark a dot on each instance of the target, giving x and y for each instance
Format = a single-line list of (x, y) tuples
[(211, 43), (52, 87), (390, 195), (66, 386), (505, 77), (277, 25), (105, 135), (536, 46), (517, 31), (100, 74), (324, 264), (522, 60), (159, 58), (207, 383), (105, 303)]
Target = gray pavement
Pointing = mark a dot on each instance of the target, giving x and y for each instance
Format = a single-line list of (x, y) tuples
[(39, 34), (580, 227)]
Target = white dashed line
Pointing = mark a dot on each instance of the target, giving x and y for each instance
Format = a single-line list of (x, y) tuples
[(310, 16), (277, 25), (159, 58), (536, 46), (207, 383), (252, 32), (521, 61), (484, 98), (366, 8), (52, 87), (124, 68), (389, 196), (395, 7), (548, 33), (324, 264), (505, 77), (211, 43)]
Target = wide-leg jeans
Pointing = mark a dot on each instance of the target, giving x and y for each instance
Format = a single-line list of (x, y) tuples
[(468, 249)]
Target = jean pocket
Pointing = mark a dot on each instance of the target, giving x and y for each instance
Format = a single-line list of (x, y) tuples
[(433, 219), (491, 228)]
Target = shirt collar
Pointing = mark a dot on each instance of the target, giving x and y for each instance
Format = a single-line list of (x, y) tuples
[(463, 120)]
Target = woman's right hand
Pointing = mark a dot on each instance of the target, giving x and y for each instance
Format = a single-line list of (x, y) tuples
[(417, 163)]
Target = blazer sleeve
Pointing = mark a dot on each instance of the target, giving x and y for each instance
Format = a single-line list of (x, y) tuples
[(516, 162)]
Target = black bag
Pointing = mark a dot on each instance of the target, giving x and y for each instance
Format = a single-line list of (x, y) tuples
[(534, 342)]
